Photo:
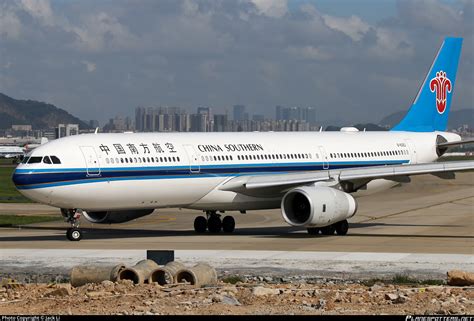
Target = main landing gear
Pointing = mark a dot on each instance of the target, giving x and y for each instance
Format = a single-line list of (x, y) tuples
[(72, 216), (213, 223), (340, 228)]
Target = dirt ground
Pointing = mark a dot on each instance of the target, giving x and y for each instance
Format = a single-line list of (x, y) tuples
[(251, 297)]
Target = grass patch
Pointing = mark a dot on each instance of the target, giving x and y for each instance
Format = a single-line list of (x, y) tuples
[(8, 192), (17, 220), (233, 279), (402, 279), (8, 161), (432, 282)]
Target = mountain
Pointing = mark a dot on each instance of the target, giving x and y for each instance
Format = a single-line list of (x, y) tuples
[(457, 118), (30, 112)]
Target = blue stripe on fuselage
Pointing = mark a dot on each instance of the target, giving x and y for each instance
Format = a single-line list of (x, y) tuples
[(41, 178)]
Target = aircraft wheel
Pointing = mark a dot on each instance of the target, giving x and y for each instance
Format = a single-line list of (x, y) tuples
[(228, 224), (313, 230), (74, 234), (200, 224), (342, 227), (328, 230), (214, 224)]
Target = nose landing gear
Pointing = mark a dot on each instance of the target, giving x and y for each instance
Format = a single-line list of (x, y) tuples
[(72, 216), (213, 223)]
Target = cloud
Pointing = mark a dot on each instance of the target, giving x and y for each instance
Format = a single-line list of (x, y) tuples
[(102, 30), (90, 67), (354, 27), (309, 53), (39, 9), (271, 8), (10, 24)]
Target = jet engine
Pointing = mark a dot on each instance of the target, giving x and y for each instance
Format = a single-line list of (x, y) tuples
[(317, 206), (110, 217)]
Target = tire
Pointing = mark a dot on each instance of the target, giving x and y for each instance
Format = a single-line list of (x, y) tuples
[(342, 227), (228, 224), (313, 230), (74, 234), (214, 224), (200, 224), (328, 230)]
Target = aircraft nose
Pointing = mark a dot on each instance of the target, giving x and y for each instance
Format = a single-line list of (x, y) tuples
[(21, 178)]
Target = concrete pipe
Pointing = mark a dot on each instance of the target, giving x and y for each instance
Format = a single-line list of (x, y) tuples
[(199, 275), (84, 274), (165, 274), (139, 272)]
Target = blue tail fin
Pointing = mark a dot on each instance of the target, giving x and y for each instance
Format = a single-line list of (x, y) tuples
[(430, 109)]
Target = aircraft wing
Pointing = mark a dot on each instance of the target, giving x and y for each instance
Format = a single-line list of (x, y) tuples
[(258, 185), (456, 143)]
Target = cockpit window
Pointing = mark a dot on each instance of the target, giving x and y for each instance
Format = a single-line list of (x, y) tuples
[(46, 160), (55, 160), (25, 160), (35, 159)]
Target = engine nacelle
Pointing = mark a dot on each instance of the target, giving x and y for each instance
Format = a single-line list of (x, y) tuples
[(110, 217), (313, 206)]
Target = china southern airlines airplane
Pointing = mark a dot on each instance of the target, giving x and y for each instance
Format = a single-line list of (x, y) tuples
[(312, 176)]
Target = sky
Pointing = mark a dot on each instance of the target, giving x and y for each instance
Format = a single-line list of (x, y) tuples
[(354, 61)]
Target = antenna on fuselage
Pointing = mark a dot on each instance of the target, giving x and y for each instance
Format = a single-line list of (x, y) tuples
[(96, 130), (320, 128)]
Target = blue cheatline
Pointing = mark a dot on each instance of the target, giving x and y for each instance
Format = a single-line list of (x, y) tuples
[(430, 110), (38, 178)]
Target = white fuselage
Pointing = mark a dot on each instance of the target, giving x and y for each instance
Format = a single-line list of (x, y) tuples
[(155, 170)]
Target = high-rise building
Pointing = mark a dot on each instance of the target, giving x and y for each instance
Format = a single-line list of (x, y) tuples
[(140, 113), (64, 130), (239, 112), (278, 113), (199, 123), (311, 115), (220, 123)]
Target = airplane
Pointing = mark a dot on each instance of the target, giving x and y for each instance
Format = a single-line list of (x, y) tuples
[(11, 151), (30, 147), (314, 177)]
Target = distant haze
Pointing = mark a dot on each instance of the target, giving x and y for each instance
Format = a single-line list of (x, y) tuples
[(354, 61)]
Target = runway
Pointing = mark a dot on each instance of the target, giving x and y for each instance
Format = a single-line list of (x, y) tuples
[(429, 215)]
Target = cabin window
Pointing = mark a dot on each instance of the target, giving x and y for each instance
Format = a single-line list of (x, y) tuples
[(46, 160), (35, 159)]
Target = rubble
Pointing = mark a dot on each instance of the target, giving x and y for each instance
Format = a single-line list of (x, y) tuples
[(261, 291)]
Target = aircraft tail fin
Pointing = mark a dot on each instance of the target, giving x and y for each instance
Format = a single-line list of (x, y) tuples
[(430, 109)]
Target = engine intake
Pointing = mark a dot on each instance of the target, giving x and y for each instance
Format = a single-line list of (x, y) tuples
[(111, 217), (317, 206)]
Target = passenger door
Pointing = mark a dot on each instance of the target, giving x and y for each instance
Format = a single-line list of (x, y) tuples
[(92, 162), (412, 151), (193, 157), (324, 157)]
